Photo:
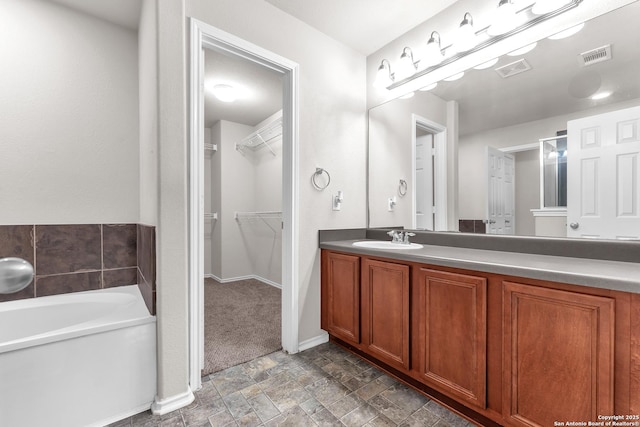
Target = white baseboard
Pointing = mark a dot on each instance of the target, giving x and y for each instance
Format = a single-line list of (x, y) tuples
[(251, 276), (313, 342), (122, 416), (164, 406)]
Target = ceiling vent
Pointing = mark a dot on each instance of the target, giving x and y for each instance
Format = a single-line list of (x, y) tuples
[(594, 56), (514, 68)]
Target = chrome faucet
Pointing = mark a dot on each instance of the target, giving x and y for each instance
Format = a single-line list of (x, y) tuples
[(396, 236), (401, 237)]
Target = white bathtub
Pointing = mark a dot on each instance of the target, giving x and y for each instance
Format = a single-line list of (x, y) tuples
[(80, 359)]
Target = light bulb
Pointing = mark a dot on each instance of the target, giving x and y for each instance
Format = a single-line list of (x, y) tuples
[(601, 95), (407, 67), (225, 93), (384, 77), (433, 52), (466, 35), (505, 19)]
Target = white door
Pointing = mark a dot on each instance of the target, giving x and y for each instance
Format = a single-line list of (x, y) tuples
[(603, 183), (500, 192), (424, 182)]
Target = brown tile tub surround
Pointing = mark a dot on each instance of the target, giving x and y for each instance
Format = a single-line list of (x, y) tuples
[(81, 257), (146, 238)]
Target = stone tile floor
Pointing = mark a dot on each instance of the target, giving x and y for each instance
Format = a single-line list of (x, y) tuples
[(322, 386)]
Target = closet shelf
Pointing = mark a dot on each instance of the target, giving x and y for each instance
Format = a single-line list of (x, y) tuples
[(262, 137), (262, 214)]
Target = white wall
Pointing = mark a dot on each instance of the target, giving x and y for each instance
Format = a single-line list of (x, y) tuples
[(148, 107), (527, 190), (390, 151), (68, 117), (247, 181), (332, 126)]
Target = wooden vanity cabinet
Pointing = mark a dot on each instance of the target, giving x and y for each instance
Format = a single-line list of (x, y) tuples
[(558, 355), (451, 333), (501, 350), (340, 295), (385, 311)]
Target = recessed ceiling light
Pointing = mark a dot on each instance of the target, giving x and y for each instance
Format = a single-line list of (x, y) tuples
[(486, 64), (567, 33), (523, 50), (455, 77), (431, 86), (601, 95), (225, 93)]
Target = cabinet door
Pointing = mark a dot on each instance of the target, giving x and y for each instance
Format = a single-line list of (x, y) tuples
[(452, 333), (385, 311), (341, 295), (558, 355)]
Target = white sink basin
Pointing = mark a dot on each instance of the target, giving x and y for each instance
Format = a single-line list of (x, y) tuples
[(382, 244)]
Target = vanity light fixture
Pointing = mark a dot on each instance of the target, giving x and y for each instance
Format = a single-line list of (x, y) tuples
[(567, 33), (505, 19), (433, 52), (487, 64), (523, 50), (407, 66), (510, 18), (466, 36), (384, 77), (545, 6), (455, 77)]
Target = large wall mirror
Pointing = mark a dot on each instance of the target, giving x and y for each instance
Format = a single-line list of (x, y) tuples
[(548, 142)]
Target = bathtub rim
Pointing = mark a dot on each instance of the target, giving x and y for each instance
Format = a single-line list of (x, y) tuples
[(137, 314)]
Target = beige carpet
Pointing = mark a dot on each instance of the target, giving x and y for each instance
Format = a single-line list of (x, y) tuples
[(241, 322)]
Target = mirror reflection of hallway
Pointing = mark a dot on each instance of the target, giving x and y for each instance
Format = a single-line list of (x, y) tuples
[(243, 211)]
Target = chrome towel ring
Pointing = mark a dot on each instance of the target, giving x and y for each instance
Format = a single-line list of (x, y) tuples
[(314, 177), (402, 189)]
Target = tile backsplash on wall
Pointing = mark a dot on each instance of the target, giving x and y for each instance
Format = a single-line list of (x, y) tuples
[(81, 257)]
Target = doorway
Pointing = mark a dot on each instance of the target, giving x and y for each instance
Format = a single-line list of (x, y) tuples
[(243, 210), (429, 170), (204, 36)]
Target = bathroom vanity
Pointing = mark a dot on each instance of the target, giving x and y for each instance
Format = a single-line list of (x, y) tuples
[(503, 338)]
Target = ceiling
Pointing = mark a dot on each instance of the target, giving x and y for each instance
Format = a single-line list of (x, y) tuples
[(125, 13), (262, 88)]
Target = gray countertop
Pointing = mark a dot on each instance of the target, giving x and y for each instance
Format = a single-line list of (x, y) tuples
[(614, 275)]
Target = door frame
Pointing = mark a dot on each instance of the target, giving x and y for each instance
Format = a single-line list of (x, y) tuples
[(440, 170), (205, 36)]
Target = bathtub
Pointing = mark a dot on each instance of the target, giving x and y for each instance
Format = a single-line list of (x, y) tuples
[(80, 359)]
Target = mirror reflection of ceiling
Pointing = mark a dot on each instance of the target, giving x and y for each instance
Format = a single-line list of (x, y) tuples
[(557, 83), (260, 90)]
